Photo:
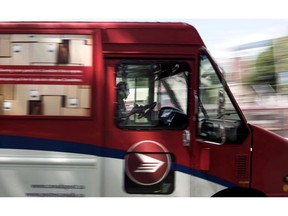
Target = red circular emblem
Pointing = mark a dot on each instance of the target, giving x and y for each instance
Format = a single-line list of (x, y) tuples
[(147, 163)]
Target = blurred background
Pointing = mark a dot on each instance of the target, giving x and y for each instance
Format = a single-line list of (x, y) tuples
[(254, 56)]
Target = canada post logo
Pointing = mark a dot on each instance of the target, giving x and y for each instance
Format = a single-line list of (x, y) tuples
[(147, 163)]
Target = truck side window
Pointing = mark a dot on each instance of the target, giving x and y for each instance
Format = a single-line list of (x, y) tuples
[(152, 95), (218, 120)]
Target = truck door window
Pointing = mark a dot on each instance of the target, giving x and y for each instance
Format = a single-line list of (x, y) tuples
[(152, 95), (218, 120)]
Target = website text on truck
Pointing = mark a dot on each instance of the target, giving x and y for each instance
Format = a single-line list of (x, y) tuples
[(125, 109)]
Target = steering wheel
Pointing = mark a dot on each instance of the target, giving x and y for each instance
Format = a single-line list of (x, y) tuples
[(146, 110)]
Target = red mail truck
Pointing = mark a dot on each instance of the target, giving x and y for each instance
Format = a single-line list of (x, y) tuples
[(125, 109)]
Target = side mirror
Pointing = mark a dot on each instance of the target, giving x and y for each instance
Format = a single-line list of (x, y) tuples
[(221, 103), (213, 131)]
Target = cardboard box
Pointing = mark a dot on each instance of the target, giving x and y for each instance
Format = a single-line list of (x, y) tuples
[(80, 53), (87, 55), (7, 90), (85, 98), (76, 52), (51, 104), (27, 92), (72, 95), (52, 89), (15, 107), (71, 90), (5, 50), (43, 53), (20, 53)]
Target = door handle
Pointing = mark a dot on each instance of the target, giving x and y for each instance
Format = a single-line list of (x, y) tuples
[(186, 138)]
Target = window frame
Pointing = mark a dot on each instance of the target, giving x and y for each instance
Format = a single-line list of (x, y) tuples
[(155, 61), (222, 81)]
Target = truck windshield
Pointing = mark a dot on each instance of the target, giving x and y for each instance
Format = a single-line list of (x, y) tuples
[(218, 119)]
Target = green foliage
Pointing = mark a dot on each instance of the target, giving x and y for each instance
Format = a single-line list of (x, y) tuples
[(265, 69)]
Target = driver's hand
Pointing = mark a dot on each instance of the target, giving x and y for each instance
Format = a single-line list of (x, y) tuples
[(136, 109)]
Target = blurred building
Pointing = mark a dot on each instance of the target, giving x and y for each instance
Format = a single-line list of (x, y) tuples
[(264, 103), (281, 63)]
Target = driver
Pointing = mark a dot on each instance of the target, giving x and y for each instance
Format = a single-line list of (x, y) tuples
[(122, 94), (122, 113)]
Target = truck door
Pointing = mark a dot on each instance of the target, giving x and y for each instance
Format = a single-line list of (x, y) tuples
[(223, 137), (147, 129)]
